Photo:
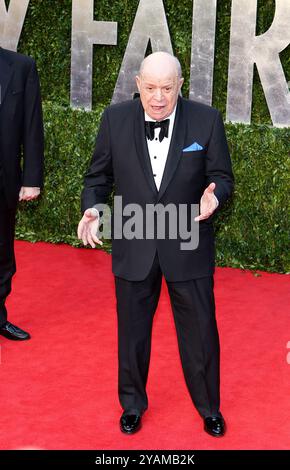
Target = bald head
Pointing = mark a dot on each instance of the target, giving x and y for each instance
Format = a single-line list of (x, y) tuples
[(161, 62), (159, 82)]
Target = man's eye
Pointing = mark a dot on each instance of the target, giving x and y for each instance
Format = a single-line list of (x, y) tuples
[(168, 89)]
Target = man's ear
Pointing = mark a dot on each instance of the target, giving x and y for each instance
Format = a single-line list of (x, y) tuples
[(138, 81), (181, 81)]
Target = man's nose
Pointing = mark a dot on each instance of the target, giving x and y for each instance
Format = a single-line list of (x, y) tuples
[(158, 95)]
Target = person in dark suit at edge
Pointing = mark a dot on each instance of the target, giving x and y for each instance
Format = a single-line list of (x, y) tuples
[(21, 133), (162, 149)]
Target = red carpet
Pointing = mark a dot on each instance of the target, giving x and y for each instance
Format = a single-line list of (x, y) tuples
[(59, 390)]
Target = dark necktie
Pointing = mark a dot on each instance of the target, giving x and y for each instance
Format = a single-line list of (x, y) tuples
[(150, 127)]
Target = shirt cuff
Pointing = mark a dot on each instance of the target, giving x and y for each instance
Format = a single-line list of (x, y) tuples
[(216, 200), (95, 211)]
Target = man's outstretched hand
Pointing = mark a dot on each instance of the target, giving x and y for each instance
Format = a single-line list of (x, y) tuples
[(208, 203), (88, 228)]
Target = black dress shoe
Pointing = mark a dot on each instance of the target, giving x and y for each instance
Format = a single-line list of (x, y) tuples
[(130, 423), (13, 332), (215, 426)]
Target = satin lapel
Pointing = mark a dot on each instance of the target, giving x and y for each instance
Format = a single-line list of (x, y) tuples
[(141, 146), (175, 149), (5, 75)]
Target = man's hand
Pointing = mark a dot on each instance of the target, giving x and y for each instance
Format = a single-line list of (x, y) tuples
[(88, 228), (28, 194), (208, 203)]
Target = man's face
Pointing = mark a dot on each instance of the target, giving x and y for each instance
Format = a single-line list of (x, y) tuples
[(159, 93)]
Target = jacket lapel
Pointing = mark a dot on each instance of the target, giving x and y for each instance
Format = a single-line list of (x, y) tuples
[(175, 149), (141, 146), (5, 75)]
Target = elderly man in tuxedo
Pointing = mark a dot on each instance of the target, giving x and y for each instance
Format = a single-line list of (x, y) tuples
[(162, 149), (21, 133)]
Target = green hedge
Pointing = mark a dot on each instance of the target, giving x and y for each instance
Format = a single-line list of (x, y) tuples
[(251, 230)]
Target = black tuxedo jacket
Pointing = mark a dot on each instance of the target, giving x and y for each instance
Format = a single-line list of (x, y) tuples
[(121, 159), (21, 127)]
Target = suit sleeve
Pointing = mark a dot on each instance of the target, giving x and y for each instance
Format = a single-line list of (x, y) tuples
[(33, 135), (98, 181), (218, 166)]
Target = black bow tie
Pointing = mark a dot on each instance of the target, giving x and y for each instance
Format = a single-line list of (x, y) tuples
[(150, 127)]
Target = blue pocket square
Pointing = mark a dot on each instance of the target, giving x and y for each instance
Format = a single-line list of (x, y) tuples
[(193, 147)]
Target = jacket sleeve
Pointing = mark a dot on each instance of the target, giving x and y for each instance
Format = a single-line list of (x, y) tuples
[(218, 164), (98, 181), (33, 135)]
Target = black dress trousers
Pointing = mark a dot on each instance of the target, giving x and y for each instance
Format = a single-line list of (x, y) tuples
[(7, 257), (193, 308)]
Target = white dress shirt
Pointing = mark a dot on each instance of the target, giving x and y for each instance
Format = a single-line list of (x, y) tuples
[(158, 151)]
